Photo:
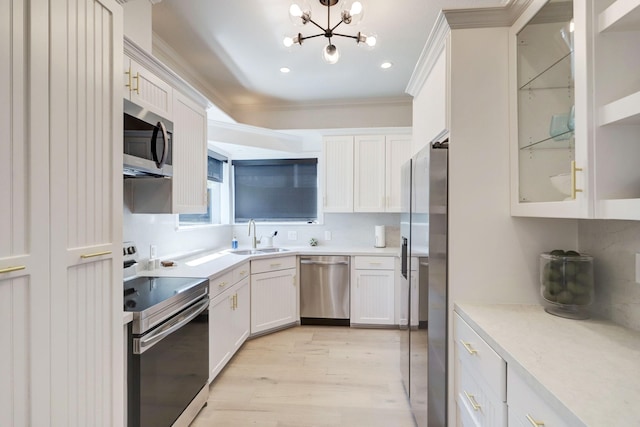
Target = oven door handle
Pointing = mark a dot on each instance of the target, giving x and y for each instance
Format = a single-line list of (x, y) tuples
[(141, 345)]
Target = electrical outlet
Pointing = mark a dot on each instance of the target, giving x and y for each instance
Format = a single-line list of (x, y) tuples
[(637, 268), (327, 235), (292, 235)]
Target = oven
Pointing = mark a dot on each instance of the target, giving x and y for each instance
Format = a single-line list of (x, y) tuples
[(168, 355)]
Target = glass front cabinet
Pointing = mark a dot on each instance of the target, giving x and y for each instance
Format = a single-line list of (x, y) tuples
[(575, 103), (550, 142)]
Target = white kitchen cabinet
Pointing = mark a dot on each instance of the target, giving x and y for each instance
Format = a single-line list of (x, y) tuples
[(274, 293), (526, 408), (24, 224), (338, 174), (616, 38), (229, 314), (551, 110), (147, 90), (189, 156), (480, 379), (61, 315), (373, 290), (362, 173), (369, 174)]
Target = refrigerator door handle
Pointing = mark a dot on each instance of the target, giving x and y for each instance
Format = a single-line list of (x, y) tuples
[(405, 247)]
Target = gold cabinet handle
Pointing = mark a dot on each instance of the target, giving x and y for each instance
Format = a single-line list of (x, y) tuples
[(275, 265), (243, 272), (471, 398), (10, 269), (128, 73), (468, 347), (95, 254), (574, 169), (222, 285), (137, 88), (235, 301), (533, 422)]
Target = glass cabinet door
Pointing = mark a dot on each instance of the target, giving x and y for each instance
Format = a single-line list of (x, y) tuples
[(545, 105)]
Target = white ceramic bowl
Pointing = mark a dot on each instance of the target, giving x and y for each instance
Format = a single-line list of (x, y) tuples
[(562, 183)]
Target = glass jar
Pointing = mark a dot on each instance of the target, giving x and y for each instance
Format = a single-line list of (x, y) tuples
[(566, 284)]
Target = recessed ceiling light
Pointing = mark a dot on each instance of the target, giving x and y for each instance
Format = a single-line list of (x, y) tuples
[(386, 65), (284, 70)]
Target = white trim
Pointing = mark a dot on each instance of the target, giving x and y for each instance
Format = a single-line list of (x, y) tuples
[(430, 54), (502, 16)]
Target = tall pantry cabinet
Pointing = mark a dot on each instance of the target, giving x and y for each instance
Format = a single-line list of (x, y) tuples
[(61, 216)]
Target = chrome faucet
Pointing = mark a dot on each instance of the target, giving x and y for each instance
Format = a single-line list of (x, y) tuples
[(254, 241)]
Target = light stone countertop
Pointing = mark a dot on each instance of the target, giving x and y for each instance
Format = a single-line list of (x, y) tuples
[(587, 370), (223, 261)]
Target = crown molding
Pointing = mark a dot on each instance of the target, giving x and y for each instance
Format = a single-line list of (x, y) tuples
[(436, 43), (150, 1), (502, 16), (455, 19), (172, 57), (148, 61)]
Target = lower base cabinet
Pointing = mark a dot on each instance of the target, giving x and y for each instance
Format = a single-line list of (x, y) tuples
[(229, 321), (274, 293), (373, 291)]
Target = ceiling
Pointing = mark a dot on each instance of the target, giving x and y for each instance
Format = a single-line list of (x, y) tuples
[(235, 49)]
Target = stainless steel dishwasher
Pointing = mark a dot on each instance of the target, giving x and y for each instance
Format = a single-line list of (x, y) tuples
[(324, 290)]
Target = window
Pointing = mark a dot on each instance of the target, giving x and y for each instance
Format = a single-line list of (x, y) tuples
[(215, 177), (276, 190)]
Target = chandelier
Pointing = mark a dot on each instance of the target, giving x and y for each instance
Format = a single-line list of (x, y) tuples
[(300, 13)]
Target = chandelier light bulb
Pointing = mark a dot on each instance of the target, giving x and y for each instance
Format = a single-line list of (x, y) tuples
[(300, 12), (287, 42), (295, 10), (371, 41), (330, 54), (352, 12)]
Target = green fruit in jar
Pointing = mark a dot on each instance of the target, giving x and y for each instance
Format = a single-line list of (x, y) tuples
[(570, 269), (576, 288), (564, 297), (553, 287), (585, 279), (557, 252), (571, 253), (548, 296)]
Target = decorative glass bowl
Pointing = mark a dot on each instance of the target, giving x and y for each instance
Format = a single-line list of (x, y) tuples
[(566, 283)]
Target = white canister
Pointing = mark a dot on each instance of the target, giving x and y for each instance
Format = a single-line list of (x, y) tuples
[(380, 237)]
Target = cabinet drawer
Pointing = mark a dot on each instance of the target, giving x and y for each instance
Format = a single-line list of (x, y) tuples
[(272, 264), (485, 407), (527, 408), (241, 272), (220, 283), (478, 357), (373, 263)]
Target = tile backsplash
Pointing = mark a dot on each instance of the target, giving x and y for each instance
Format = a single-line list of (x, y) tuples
[(613, 244)]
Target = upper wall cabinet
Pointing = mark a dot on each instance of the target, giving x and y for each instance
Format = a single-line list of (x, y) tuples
[(147, 90), (616, 38), (552, 164), (362, 173)]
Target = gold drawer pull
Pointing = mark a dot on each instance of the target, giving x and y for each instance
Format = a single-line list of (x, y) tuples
[(222, 285), (243, 272), (471, 398), (533, 422), (574, 169), (10, 269), (468, 347), (275, 265), (137, 88), (95, 254)]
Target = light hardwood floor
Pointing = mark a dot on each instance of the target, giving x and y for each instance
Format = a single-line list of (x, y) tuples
[(312, 376)]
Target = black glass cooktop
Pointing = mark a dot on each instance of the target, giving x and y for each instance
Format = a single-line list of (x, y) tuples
[(142, 293)]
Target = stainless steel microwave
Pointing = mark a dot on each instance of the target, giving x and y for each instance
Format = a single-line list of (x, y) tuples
[(148, 141)]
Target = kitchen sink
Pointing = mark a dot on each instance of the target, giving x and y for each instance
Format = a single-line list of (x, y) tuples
[(257, 251), (272, 250), (245, 252)]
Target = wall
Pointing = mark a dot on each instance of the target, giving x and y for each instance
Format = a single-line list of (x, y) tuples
[(613, 244), (137, 22), (346, 229)]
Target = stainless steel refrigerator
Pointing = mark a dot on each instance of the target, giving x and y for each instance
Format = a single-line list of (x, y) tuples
[(423, 307)]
